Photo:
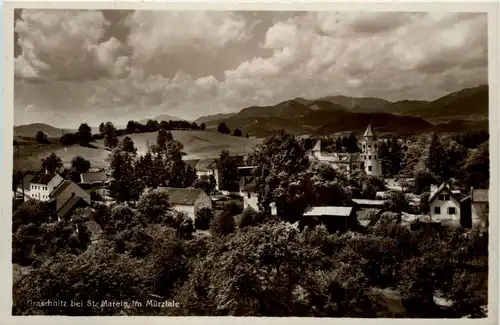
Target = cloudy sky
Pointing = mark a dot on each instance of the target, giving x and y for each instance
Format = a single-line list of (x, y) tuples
[(93, 66)]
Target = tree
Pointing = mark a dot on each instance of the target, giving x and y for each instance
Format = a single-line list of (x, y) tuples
[(280, 175), (205, 183), (41, 137), (80, 164), (227, 165), (110, 140), (203, 219), (85, 134), (124, 185), (222, 128), (237, 133), (152, 125), (329, 186), (397, 202), (246, 135), (69, 139), (154, 205), (101, 129), (127, 145), (437, 158), (131, 127), (203, 126), (223, 224), (477, 167), (52, 163)]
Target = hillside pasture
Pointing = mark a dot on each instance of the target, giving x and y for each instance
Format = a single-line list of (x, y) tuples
[(197, 144)]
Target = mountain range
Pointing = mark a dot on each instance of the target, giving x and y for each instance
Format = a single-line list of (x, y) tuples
[(463, 110), (466, 109)]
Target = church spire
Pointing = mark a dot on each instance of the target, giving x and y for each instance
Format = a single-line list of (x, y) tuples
[(369, 131)]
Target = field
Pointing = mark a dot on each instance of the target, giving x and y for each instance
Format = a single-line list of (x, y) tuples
[(197, 144)]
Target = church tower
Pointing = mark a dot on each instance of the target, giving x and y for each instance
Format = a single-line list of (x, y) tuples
[(370, 153)]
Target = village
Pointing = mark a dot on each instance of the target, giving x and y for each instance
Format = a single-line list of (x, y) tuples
[(447, 206)]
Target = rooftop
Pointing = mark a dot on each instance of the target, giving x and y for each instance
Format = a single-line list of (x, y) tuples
[(205, 165), (60, 188), (329, 211), (182, 196), (369, 202), (94, 177), (43, 179)]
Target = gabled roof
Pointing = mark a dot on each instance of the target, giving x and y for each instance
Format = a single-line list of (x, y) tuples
[(59, 189), (479, 196), (443, 187), (69, 205), (368, 131), (43, 178), (94, 177), (317, 146), (182, 196), (333, 211), (192, 162), (27, 181), (205, 165)]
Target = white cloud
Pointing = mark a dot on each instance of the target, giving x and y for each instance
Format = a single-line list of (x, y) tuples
[(170, 59), (66, 45)]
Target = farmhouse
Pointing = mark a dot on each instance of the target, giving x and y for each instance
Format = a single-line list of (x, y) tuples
[(67, 197), (43, 184), (250, 195), (444, 204), (187, 200), (368, 159)]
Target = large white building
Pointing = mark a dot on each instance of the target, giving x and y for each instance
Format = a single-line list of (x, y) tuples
[(368, 159), (43, 184)]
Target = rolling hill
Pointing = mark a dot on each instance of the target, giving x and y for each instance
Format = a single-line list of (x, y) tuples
[(30, 130), (197, 144), (466, 103)]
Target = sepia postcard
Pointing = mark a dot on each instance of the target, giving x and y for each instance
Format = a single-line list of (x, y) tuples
[(291, 162)]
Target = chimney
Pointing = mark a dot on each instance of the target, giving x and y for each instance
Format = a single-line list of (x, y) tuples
[(46, 171), (434, 188)]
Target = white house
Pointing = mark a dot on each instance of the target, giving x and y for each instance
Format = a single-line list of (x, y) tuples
[(187, 200), (444, 204), (43, 184), (250, 195)]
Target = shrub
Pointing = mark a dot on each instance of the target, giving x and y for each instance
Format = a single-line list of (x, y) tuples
[(204, 217), (223, 224)]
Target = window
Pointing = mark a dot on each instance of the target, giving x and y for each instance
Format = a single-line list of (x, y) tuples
[(437, 210), (375, 157), (369, 168), (248, 194), (441, 198), (369, 157), (451, 210), (369, 146), (447, 197), (375, 146)]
